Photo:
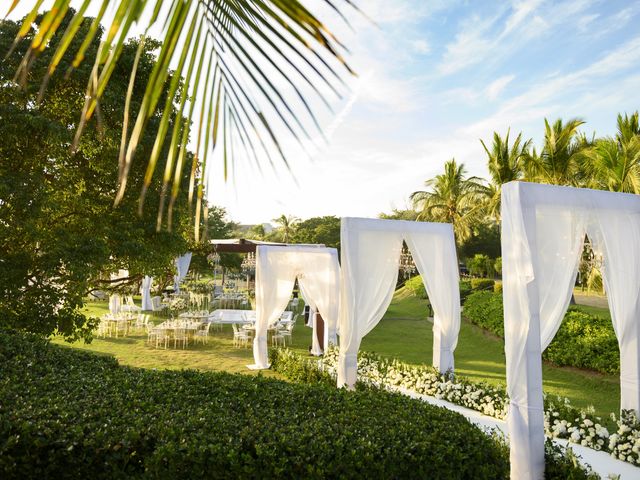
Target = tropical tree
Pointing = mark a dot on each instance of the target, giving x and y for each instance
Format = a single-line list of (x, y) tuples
[(287, 226), (452, 197), (613, 163), (506, 164), (249, 69), (560, 160), (60, 235), (318, 230)]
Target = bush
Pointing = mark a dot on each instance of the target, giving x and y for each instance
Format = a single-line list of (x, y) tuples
[(416, 285), (465, 289), (497, 288), (70, 414), (583, 340), (560, 462), (482, 284)]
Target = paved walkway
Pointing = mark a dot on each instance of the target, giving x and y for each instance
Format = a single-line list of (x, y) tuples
[(601, 462), (599, 301)]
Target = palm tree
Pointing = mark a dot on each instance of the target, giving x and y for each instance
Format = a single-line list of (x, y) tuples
[(452, 198), (287, 226), (506, 164), (560, 160), (614, 163), (239, 68)]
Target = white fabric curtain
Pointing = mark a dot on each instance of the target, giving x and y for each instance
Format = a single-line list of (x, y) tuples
[(543, 229), (370, 260), (115, 303), (182, 268), (618, 240), (277, 268), (437, 261), (145, 291)]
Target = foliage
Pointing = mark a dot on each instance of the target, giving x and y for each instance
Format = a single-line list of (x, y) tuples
[(465, 289), (416, 285), (482, 284), (59, 232), (583, 340), (287, 226), (485, 239), (75, 415), (498, 265), (481, 265), (288, 48), (218, 226), (396, 214), (375, 372), (452, 197), (324, 230)]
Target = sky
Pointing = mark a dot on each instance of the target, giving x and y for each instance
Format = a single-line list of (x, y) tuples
[(435, 77)]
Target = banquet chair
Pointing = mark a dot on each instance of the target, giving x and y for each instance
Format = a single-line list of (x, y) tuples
[(240, 336), (202, 333), (180, 335), (161, 336)]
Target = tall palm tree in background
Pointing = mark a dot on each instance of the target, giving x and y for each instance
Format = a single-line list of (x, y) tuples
[(286, 226), (244, 72), (452, 198), (560, 160), (506, 164)]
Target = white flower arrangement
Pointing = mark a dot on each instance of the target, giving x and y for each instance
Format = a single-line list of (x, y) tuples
[(561, 419)]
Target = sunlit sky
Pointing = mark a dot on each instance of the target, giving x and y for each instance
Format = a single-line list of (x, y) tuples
[(434, 77)]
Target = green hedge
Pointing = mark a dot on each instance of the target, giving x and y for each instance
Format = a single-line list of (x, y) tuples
[(70, 414), (417, 287), (560, 463), (482, 284), (583, 340)]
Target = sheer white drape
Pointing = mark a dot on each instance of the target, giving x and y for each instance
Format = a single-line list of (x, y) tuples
[(277, 268), (115, 303), (182, 268), (316, 348), (145, 290), (543, 228), (370, 260)]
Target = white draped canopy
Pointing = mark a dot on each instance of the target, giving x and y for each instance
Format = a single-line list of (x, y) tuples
[(543, 229), (370, 261), (145, 290), (182, 268), (277, 268)]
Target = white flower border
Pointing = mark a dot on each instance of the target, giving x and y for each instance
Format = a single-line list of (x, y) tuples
[(561, 419)]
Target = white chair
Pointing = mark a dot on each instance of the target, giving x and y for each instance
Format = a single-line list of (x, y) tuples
[(202, 333), (156, 304), (240, 336)]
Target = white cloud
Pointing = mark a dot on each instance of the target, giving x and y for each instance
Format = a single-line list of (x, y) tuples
[(421, 47), (496, 87)]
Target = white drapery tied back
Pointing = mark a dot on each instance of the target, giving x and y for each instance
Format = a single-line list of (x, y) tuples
[(543, 232), (370, 261), (277, 267)]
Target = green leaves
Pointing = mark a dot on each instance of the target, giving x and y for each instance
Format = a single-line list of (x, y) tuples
[(271, 60)]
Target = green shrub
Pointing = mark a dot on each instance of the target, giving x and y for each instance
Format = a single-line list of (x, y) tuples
[(583, 340), (69, 414), (465, 289), (497, 288), (416, 285), (560, 462), (482, 284)]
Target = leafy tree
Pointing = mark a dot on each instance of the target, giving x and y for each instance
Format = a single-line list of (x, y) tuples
[(452, 198), (397, 214), (614, 163), (506, 164), (320, 230), (560, 160), (237, 58), (480, 265), (287, 226), (59, 232), (484, 239)]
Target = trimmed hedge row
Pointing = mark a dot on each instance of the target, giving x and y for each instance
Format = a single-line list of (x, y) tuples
[(583, 340), (71, 414), (560, 462), (466, 286)]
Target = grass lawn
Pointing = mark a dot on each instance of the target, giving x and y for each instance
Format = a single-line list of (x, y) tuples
[(480, 355), (403, 333)]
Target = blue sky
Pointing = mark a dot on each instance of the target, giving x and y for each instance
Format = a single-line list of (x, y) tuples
[(434, 78), (437, 76)]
